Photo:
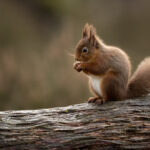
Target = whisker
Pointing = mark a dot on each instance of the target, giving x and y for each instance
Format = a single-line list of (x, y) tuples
[(70, 54)]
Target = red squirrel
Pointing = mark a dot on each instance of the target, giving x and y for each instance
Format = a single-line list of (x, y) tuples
[(109, 69)]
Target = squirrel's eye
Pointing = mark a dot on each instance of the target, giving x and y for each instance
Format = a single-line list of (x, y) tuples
[(84, 50)]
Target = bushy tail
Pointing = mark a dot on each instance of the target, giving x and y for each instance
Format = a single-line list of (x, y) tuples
[(139, 84)]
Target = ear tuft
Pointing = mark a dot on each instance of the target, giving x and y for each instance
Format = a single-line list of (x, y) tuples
[(92, 36), (85, 32), (89, 32), (92, 31)]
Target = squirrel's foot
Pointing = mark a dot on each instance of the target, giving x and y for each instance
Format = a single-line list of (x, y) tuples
[(96, 100)]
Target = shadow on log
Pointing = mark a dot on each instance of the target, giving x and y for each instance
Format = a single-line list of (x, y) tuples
[(115, 125)]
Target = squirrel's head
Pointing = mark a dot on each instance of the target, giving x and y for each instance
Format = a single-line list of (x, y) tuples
[(88, 45)]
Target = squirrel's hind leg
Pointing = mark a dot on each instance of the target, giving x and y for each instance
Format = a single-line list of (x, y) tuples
[(112, 87)]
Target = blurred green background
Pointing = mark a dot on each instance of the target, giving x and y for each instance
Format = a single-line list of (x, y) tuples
[(36, 37)]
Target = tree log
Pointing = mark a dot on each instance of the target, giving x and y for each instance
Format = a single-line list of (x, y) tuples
[(118, 125)]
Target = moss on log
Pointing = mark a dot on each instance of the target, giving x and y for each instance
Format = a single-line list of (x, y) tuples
[(114, 125)]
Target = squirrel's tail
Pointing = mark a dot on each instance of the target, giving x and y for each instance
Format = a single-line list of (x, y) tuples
[(139, 84)]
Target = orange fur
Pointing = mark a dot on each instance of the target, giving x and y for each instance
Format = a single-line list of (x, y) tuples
[(113, 64)]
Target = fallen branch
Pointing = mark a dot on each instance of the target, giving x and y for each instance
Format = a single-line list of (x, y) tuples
[(114, 125)]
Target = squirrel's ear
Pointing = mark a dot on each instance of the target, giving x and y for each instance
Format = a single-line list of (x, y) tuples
[(85, 31), (92, 37)]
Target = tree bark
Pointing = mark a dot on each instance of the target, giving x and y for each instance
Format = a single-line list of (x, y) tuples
[(118, 125)]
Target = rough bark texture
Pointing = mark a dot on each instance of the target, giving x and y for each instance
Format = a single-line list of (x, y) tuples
[(114, 125)]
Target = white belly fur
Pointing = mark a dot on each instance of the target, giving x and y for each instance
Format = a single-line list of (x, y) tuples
[(96, 82)]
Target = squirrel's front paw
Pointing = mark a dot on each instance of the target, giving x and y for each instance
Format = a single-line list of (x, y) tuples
[(77, 66)]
